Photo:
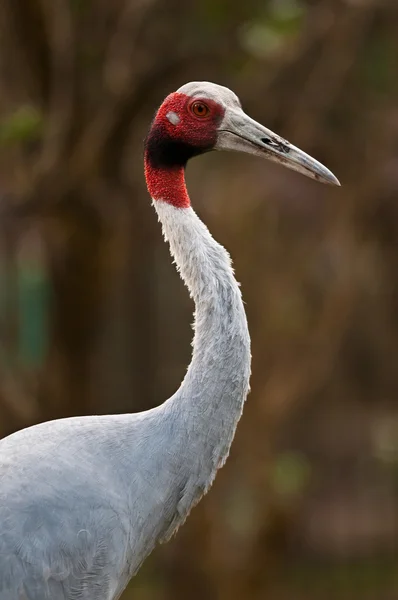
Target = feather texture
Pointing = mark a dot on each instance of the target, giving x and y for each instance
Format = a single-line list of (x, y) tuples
[(84, 500)]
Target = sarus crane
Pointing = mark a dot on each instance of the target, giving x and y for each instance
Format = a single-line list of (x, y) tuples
[(84, 500)]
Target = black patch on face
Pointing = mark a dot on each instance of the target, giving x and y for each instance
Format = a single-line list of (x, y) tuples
[(163, 151)]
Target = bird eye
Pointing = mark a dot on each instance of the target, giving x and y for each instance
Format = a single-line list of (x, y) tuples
[(200, 109)]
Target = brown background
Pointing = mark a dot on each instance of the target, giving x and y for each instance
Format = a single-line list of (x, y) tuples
[(94, 319)]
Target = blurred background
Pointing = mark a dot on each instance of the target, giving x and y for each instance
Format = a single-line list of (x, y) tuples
[(94, 318)]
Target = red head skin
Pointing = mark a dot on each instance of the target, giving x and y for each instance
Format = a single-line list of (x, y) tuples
[(169, 145)]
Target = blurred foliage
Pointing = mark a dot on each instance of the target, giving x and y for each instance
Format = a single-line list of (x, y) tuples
[(289, 474), (24, 125), (94, 319), (270, 33)]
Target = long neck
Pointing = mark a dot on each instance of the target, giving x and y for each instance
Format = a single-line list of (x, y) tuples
[(213, 392)]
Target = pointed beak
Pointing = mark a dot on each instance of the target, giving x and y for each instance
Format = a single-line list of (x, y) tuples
[(240, 133)]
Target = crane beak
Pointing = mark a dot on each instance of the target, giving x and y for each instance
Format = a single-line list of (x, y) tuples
[(239, 133)]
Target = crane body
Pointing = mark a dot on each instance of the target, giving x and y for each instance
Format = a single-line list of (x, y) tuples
[(109, 487), (84, 500)]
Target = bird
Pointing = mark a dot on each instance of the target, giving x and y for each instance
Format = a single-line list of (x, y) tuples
[(84, 500)]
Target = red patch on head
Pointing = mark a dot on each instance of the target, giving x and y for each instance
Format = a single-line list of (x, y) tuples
[(197, 131), (183, 127)]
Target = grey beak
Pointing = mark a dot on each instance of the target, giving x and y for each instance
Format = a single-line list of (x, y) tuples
[(240, 133)]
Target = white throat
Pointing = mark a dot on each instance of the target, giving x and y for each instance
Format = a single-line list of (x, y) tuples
[(217, 380)]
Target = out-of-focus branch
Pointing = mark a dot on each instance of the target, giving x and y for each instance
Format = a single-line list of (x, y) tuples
[(339, 52), (126, 56), (126, 61), (60, 107), (23, 31)]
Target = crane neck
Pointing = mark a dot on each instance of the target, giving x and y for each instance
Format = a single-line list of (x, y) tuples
[(167, 184), (211, 397)]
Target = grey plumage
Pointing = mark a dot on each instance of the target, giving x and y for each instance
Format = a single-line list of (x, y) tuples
[(84, 500)]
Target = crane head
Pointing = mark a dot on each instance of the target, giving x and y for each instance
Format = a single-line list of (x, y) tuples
[(203, 116)]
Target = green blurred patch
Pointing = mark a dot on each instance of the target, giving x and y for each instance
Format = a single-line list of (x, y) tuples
[(373, 576), (290, 474), (286, 15), (268, 35), (78, 6), (214, 13), (33, 314), (25, 124), (379, 63)]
